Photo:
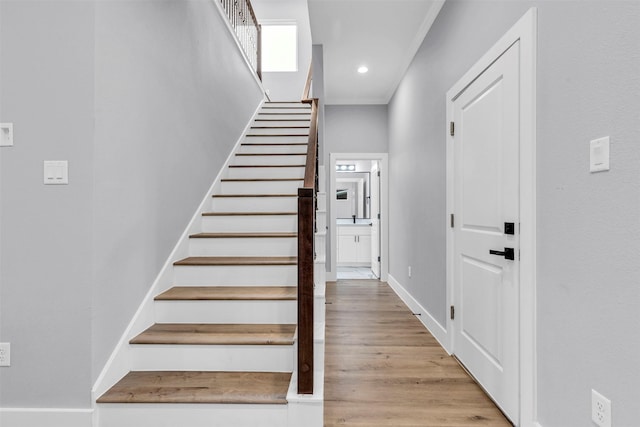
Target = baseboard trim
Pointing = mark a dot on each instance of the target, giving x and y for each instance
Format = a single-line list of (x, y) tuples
[(45, 417), (429, 322)]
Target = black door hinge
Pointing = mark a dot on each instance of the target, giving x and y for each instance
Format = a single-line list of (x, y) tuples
[(453, 313)]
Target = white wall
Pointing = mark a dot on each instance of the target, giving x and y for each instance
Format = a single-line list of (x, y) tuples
[(588, 237), (145, 99), (287, 86)]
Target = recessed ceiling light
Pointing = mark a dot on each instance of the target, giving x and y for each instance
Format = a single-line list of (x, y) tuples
[(363, 69)]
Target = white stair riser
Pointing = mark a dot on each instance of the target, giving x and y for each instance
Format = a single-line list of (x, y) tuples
[(266, 149), (260, 187), (319, 310), (321, 221), (254, 204), (298, 159), (267, 116), (285, 104), (192, 415), (278, 139), (267, 312), (288, 172), (282, 123), (286, 109), (320, 273), (236, 275), (250, 223), (280, 130), (244, 246), (322, 201), (250, 358)]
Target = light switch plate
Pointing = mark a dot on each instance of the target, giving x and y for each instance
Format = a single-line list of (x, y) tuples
[(6, 134), (56, 172), (599, 155)]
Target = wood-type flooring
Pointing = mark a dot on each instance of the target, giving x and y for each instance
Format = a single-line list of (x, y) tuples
[(383, 368)]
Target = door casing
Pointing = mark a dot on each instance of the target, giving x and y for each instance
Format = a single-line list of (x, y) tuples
[(525, 31), (383, 162)]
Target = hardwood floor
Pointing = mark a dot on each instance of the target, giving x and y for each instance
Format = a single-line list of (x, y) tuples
[(383, 368)]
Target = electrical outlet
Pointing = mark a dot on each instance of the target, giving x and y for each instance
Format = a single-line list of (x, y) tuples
[(5, 354), (409, 272), (6, 134), (600, 409)]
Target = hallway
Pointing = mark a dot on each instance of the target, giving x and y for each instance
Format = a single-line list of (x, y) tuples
[(383, 368)]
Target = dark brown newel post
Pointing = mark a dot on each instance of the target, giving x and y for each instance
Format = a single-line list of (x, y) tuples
[(306, 250), (306, 211)]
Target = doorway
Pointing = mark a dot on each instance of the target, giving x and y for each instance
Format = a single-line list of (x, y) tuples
[(491, 231), (358, 226)]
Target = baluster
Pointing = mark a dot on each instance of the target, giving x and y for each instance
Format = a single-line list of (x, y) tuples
[(245, 25)]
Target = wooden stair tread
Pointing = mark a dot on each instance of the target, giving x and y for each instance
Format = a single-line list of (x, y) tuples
[(216, 334), (213, 260), (279, 135), (267, 166), (289, 107), (260, 179), (279, 127), (247, 213), (229, 293), (281, 120), (283, 114), (269, 154), (255, 195), (242, 235), (200, 387), (271, 144)]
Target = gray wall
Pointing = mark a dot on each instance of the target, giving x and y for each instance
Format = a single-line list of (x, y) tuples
[(352, 129), (355, 129), (145, 99), (46, 90), (172, 97), (588, 239), (317, 89)]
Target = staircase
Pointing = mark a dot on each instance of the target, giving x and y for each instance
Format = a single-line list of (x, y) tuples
[(220, 350)]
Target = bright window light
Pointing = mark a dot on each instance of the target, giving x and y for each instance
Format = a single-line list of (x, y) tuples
[(363, 70), (279, 47)]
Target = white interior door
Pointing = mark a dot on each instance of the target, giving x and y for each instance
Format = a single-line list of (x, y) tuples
[(375, 220), (486, 196)]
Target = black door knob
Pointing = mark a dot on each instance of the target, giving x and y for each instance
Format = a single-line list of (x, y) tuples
[(508, 253)]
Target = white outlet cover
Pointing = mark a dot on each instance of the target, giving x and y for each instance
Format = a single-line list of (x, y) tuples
[(599, 154), (600, 409), (6, 134)]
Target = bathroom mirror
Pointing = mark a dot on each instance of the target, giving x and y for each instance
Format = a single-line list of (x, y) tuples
[(353, 195)]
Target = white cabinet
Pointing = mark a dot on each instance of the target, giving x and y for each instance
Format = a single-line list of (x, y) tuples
[(354, 245)]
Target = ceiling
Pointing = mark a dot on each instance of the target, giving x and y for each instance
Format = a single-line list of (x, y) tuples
[(383, 35)]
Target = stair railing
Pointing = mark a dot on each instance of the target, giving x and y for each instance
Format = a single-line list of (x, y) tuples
[(249, 33), (306, 250)]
